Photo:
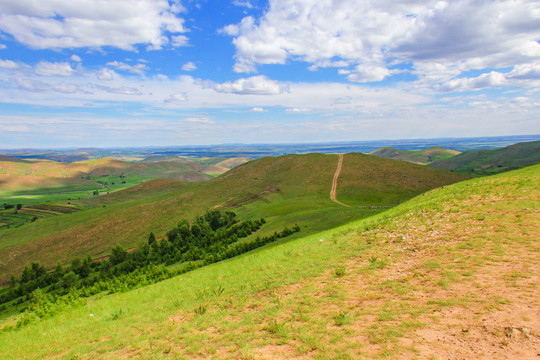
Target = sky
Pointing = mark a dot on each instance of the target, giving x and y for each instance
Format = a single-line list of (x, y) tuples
[(124, 73)]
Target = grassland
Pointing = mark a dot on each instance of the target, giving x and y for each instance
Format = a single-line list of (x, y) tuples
[(452, 273), (286, 190), (487, 162), (423, 157)]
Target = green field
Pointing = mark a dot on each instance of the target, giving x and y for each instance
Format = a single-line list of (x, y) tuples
[(449, 273)]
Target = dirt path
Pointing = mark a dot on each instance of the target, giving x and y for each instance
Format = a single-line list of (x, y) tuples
[(334, 182)]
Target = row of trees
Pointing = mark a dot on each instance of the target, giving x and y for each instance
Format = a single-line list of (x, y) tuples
[(210, 238)]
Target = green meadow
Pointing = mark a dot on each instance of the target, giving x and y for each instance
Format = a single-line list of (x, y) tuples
[(447, 273)]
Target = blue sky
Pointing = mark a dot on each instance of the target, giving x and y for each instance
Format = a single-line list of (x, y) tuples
[(154, 72)]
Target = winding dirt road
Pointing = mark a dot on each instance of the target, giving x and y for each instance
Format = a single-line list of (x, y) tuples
[(334, 182)]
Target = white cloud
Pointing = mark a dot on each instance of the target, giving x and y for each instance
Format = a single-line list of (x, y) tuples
[(374, 35), (258, 109), (54, 69), (297, 110), (75, 58), (8, 64), (122, 90), (106, 74), (40, 86), (255, 85), (87, 23), (241, 3), (3, 46), (189, 66), (176, 98), (179, 40), (199, 120), (136, 69)]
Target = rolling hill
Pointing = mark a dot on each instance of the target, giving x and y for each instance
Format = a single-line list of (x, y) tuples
[(283, 190), (424, 156), (485, 162), (452, 273)]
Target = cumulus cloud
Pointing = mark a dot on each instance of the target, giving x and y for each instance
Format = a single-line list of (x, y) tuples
[(189, 66), (373, 36), (106, 74), (85, 23), (480, 82), (75, 58), (8, 64), (3, 46), (255, 85), (135, 69), (46, 68)]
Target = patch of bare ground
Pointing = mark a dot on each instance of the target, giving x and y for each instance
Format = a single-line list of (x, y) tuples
[(457, 282)]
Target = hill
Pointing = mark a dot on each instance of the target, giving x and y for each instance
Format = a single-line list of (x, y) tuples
[(36, 180), (424, 156), (452, 273), (285, 190), (485, 162)]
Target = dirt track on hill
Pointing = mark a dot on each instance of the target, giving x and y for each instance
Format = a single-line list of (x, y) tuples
[(334, 182)]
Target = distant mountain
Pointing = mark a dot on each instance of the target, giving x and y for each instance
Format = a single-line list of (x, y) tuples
[(486, 162), (12, 159), (422, 157)]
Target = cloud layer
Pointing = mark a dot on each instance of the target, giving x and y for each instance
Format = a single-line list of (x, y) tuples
[(92, 23), (369, 40)]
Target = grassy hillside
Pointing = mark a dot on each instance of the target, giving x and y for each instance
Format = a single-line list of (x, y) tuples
[(284, 190), (424, 156), (30, 181), (485, 162), (452, 274)]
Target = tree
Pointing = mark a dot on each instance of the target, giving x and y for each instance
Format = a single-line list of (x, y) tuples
[(151, 238), (118, 255), (69, 280)]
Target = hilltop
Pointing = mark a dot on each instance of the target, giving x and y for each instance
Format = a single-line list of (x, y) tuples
[(485, 162), (424, 156), (452, 273), (286, 190)]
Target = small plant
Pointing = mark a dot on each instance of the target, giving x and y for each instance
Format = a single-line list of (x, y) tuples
[(376, 263), (218, 290), (274, 327), (341, 318), (340, 271), (200, 310), (117, 314)]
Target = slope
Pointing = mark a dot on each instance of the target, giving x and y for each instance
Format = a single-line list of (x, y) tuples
[(424, 156), (452, 273), (284, 190), (485, 162)]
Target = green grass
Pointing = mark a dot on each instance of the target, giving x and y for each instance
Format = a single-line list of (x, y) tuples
[(286, 300)]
